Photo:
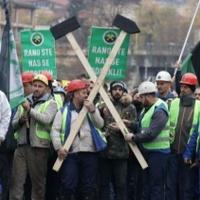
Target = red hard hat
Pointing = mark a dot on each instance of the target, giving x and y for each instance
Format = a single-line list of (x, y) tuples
[(189, 79), (27, 77), (48, 75), (76, 85)]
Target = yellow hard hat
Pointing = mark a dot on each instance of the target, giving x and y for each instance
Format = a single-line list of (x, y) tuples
[(65, 83), (42, 78)]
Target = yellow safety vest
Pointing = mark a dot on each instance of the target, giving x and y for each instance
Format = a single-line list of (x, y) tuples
[(174, 113), (162, 140), (40, 132)]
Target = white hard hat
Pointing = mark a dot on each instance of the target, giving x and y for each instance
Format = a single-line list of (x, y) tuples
[(55, 83), (146, 88), (163, 76)]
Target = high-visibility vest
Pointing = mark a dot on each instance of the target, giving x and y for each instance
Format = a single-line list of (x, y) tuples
[(58, 100), (174, 113), (161, 142), (98, 138), (40, 131)]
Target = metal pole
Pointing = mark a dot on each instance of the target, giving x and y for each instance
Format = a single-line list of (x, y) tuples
[(187, 36)]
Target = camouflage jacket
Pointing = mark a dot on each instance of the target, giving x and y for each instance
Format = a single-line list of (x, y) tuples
[(117, 148)]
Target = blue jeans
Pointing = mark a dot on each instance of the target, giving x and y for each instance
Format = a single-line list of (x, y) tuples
[(79, 171), (180, 179)]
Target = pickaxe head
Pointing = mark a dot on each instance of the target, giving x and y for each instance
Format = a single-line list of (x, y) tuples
[(67, 26), (126, 24)]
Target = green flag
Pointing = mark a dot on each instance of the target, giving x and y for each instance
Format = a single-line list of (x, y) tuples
[(10, 76), (192, 62), (16, 86), (100, 43)]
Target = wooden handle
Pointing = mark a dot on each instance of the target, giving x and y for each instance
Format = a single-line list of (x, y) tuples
[(92, 94), (106, 98)]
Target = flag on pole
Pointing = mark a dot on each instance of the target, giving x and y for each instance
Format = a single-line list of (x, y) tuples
[(10, 76), (16, 92), (192, 62)]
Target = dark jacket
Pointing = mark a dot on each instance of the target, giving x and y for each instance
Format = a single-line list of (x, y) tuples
[(192, 149), (184, 124), (117, 148)]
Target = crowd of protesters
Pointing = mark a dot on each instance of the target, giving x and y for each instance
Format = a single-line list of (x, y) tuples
[(162, 122)]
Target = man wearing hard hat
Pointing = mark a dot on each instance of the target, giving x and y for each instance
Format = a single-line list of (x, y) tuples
[(32, 124), (81, 164), (164, 84), (184, 121), (27, 79), (154, 138)]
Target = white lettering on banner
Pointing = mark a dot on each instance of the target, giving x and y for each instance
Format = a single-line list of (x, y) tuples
[(97, 70), (99, 60), (39, 63), (105, 50), (113, 72), (31, 52), (37, 52), (46, 52)]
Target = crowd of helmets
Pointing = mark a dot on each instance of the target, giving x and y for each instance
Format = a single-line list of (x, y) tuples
[(68, 86), (28, 77)]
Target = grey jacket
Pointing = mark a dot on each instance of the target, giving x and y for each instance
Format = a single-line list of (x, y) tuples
[(83, 141), (27, 135)]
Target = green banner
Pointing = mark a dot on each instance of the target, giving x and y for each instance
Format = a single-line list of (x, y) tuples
[(38, 51), (100, 43)]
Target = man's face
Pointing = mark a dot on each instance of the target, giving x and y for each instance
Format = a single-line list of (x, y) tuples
[(197, 93), (163, 87), (28, 89), (39, 89), (185, 90), (117, 92), (144, 100), (91, 85), (81, 95)]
